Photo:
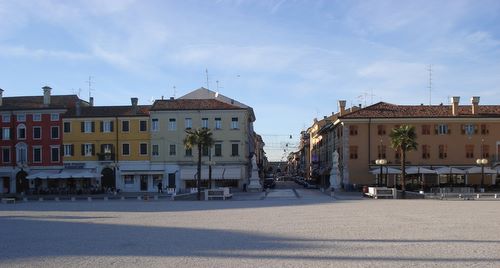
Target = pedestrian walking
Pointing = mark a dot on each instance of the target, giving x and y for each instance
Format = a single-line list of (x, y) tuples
[(160, 187)]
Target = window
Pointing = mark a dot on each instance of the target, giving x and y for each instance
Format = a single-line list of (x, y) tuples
[(353, 130), (204, 122), (382, 152), (155, 150), (469, 151), (125, 149), (6, 118), (426, 129), (125, 126), (188, 123), (37, 133), (218, 149), (381, 130), (171, 150), (87, 126), (218, 123), (143, 148), (234, 149), (443, 151), (189, 152), (485, 151), (128, 179), (37, 117), (442, 129), (67, 127), (68, 149), (154, 124), (426, 151), (21, 153), (21, 117), (6, 155), (484, 129), (88, 149), (107, 126), (353, 152), (54, 117), (234, 123), (6, 133), (54, 132), (37, 154), (143, 125), (469, 129), (172, 124), (21, 132)]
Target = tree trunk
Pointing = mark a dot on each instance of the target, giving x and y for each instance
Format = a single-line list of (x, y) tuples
[(198, 181), (403, 171)]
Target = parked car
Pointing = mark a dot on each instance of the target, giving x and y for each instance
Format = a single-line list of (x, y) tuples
[(269, 183)]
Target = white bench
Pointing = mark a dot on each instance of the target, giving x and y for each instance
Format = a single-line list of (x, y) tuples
[(377, 192), (8, 200), (223, 193)]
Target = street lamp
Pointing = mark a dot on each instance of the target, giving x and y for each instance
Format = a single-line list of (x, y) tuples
[(482, 162), (381, 163)]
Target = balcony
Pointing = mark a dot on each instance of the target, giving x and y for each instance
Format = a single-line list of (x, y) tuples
[(106, 156)]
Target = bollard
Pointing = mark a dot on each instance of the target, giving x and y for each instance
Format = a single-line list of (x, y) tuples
[(139, 198), (496, 196), (156, 198), (56, 199), (40, 199), (73, 199), (89, 199), (477, 196), (25, 199), (122, 198)]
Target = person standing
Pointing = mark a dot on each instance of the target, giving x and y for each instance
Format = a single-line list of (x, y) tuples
[(160, 187)]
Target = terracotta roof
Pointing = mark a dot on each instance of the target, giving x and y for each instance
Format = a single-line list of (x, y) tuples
[(36, 102), (110, 111), (387, 110), (193, 104)]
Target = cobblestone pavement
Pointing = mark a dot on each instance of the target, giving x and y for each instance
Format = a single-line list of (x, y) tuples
[(290, 227)]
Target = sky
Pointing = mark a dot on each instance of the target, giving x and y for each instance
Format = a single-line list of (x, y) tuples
[(290, 60)]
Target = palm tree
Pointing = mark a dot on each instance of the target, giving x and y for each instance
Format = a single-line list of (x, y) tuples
[(403, 139), (200, 138)]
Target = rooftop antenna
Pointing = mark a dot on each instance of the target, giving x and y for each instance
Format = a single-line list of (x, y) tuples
[(430, 84), (90, 86), (175, 92), (206, 72), (77, 91)]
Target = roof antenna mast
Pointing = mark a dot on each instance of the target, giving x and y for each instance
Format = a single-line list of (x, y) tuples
[(90, 86), (206, 72), (430, 84), (175, 92)]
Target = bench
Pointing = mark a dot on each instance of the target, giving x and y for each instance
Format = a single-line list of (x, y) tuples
[(377, 192), (218, 193), (8, 200)]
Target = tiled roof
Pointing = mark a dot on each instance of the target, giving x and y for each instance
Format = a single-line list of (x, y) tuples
[(387, 110), (110, 111), (192, 104), (36, 102)]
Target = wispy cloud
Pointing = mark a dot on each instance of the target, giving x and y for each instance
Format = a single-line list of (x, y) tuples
[(21, 51)]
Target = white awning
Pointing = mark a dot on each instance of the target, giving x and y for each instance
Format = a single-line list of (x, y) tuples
[(419, 170), (42, 174), (477, 170), (218, 173), (386, 170), (142, 172), (449, 170)]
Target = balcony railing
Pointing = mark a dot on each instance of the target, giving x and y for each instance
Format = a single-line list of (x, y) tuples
[(106, 156)]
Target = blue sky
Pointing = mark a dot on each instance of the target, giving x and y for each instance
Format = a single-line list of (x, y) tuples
[(290, 60)]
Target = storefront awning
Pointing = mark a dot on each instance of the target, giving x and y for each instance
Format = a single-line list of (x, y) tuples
[(218, 173), (42, 174), (64, 174), (449, 170), (477, 170), (419, 170), (386, 170), (141, 172)]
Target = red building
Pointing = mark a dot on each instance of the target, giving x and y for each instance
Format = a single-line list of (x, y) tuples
[(31, 137)]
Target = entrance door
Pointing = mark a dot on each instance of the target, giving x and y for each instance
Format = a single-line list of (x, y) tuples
[(144, 182), (6, 185), (171, 180), (108, 179), (21, 182)]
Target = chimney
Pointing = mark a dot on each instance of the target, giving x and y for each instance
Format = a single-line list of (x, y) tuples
[(134, 101), (1, 97), (78, 108), (475, 105), (454, 107), (342, 107), (91, 101), (46, 95)]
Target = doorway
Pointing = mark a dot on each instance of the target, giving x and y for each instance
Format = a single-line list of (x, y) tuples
[(6, 185), (171, 180), (21, 182), (108, 179), (144, 182)]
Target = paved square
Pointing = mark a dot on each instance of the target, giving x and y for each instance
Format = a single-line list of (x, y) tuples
[(311, 231)]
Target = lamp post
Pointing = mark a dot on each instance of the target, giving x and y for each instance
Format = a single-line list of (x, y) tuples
[(381, 163), (482, 162)]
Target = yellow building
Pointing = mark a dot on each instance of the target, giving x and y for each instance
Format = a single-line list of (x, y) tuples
[(447, 136), (111, 145)]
